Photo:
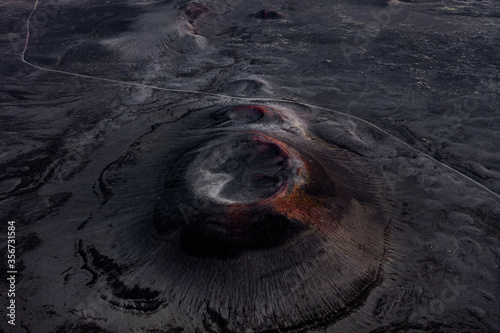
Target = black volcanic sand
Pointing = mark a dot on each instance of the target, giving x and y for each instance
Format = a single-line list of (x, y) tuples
[(335, 223), (426, 71), (144, 210)]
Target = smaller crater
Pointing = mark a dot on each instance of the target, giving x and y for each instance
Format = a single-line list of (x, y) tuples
[(268, 14)]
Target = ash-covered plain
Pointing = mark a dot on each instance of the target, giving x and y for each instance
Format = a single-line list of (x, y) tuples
[(215, 167)]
